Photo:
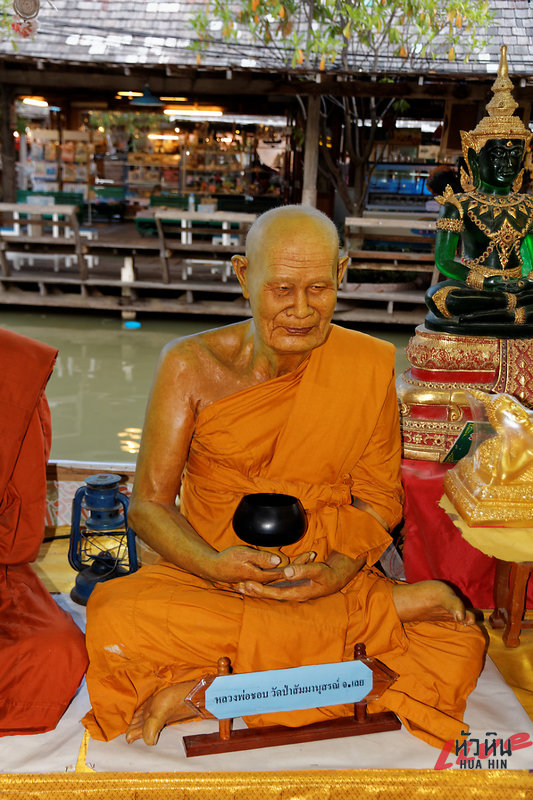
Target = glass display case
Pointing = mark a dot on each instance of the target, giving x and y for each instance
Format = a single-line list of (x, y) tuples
[(398, 187)]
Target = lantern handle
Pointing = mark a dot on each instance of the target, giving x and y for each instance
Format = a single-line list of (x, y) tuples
[(73, 556), (130, 535)]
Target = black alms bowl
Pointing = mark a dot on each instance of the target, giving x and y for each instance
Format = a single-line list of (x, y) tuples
[(269, 519)]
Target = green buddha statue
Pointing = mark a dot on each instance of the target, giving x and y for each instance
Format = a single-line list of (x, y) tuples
[(490, 289)]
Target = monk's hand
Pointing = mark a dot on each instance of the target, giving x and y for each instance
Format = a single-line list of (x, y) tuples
[(241, 563), (306, 581)]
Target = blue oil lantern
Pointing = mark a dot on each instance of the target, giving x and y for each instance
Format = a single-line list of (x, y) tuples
[(102, 545)]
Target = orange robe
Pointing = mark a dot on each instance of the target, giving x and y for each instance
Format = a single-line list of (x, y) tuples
[(325, 432), (42, 651)]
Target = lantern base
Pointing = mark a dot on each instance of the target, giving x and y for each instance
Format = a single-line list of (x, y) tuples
[(87, 580)]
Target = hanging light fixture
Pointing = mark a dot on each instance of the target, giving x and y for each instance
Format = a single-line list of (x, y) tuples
[(194, 111), (147, 99), (38, 102), (102, 545)]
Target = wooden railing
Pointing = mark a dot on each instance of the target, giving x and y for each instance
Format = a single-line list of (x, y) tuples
[(388, 244)]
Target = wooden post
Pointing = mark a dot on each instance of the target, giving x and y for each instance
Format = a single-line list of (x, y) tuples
[(9, 155), (164, 254), (312, 137), (224, 725)]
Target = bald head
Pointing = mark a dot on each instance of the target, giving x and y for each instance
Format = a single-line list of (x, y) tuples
[(286, 221)]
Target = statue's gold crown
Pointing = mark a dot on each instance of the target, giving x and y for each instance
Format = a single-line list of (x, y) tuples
[(501, 123)]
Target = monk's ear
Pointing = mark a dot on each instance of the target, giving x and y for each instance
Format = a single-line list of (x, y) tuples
[(240, 267), (341, 269)]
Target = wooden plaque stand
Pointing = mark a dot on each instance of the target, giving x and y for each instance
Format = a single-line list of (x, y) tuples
[(227, 740)]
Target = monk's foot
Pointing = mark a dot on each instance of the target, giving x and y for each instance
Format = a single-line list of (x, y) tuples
[(432, 601), (162, 708)]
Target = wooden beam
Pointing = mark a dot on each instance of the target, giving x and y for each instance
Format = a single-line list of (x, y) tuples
[(96, 80)]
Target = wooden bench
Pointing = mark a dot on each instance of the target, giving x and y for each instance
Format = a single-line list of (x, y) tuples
[(205, 241), (400, 245), (40, 230)]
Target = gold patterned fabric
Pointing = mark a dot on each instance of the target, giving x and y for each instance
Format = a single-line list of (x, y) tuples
[(313, 785)]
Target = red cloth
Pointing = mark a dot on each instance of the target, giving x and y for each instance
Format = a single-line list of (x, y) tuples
[(434, 547), (43, 654)]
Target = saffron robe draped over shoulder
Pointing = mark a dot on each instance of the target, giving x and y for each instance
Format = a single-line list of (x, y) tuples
[(43, 654), (327, 432)]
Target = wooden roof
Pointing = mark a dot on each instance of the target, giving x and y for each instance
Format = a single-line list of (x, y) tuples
[(99, 45)]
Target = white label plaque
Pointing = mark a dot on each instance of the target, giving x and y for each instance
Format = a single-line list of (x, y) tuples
[(288, 689)]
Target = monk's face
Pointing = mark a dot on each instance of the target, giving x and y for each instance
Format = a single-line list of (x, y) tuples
[(291, 279)]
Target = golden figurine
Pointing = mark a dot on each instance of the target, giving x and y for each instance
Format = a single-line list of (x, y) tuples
[(494, 484)]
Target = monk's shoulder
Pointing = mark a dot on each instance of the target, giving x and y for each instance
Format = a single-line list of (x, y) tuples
[(363, 347), (223, 344), (195, 355)]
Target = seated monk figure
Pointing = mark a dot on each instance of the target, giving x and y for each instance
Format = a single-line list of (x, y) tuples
[(42, 651), (490, 291), (285, 402)]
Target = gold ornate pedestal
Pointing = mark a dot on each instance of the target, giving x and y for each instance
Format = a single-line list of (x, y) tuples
[(435, 415), (494, 484)]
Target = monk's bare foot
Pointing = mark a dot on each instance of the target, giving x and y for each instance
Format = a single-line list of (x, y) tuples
[(433, 601), (162, 708)]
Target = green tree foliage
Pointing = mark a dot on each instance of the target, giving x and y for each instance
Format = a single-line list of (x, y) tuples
[(329, 34), (372, 37)]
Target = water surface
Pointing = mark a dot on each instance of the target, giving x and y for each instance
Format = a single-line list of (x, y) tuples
[(99, 388)]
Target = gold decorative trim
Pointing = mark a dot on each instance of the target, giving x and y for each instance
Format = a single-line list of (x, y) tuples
[(443, 425), (440, 297), (475, 279), (500, 202), (431, 385), (506, 239), (501, 123), (517, 183), (516, 272), (467, 181), (422, 453), (451, 338), (431, 357), (449, 196), (520, 316), (511, 301), (429, 440), (447, 224)]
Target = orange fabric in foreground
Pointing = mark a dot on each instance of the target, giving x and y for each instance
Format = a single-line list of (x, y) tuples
[(325, 432), (43, 654)]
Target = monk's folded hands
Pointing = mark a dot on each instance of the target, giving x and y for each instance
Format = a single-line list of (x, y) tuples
[(241, 563), (306, 581)]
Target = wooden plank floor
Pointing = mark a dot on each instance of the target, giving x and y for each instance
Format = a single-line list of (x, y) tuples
[(515, 664)]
